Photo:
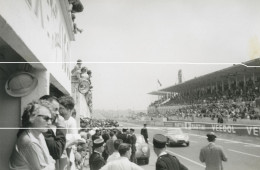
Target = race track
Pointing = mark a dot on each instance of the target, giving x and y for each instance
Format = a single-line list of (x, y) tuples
[(243, 153)]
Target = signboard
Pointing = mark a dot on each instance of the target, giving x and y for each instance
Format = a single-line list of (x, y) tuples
[(238, 129)]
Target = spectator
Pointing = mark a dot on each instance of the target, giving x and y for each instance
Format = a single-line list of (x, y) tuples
[(55, 136), (76, 6), (81, 157), (31, 151), (144, 133), (122, 163), (165, 161), (212, 154), (96, 161), (77, 68), (110, 144), (72, 137), (115, 154), (132, 140)]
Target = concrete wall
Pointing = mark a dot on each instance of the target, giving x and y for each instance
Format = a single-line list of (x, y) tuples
[(38, 31), (42, 33), (9, 117)]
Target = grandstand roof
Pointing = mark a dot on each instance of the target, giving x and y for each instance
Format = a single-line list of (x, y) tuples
[(158, 93), (236, 71)]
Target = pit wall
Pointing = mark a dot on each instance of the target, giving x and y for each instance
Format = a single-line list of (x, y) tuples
[(234, 129)]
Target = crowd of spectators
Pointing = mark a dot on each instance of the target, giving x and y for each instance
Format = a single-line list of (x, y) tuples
[(92, 123), (83, 74), (236, 102), (50, 139)]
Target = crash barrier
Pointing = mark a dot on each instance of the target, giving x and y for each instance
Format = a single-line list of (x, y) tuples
[(237, 129)]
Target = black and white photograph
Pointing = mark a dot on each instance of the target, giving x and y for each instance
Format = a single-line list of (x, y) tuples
[(129, 85)]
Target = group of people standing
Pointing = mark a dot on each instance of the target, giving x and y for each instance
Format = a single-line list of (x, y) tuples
[(47, 135), (114, 152)]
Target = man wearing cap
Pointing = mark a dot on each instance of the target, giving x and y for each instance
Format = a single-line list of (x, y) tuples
[(212, 154), (124, 136), (77, 68), (144, 133), (122, 163), (132, 140), (165, 161), (96, 161)]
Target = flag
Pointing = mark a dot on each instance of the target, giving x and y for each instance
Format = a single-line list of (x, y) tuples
[(159, 82)]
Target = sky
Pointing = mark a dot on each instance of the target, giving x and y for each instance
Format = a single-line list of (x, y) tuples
[(131, 44)]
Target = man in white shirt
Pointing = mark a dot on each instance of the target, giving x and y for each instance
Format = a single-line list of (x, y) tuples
[(122, 163), (115, 155)]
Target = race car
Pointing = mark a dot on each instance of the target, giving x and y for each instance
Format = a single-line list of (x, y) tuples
[(176, 136), (142, 149)]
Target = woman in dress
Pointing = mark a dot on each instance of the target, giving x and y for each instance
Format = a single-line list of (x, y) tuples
[(30, 151)]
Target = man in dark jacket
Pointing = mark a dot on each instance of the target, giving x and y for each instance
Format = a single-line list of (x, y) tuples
[(125, 136), (132, 140), (55, 141), (144, 133), (96, 161), (165, 161)]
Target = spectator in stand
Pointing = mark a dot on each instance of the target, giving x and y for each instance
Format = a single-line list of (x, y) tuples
[(76, 6), (77, 68), (55, 136), (115, 154), (96, 161), (75, 27), (122, 163), (83, 74), (31, 151)]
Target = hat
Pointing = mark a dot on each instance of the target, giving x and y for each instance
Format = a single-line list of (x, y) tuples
[(124, 130), (132, 129), (211, 135), (98, 143), (79, 60), (159, 141), (20, 84), (145, 124)]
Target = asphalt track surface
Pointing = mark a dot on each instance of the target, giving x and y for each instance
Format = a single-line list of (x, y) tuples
[(243, 153)]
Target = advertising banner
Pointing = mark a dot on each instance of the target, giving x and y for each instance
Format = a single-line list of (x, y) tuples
[(238, 129)]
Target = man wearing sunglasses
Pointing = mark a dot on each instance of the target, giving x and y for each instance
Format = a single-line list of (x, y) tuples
[(55, 137)]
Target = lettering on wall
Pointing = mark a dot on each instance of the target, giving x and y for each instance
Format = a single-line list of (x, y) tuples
[(253, 130), (223, 128), (52, 23)]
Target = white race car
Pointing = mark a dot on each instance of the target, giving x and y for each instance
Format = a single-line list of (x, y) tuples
[(176, 136)]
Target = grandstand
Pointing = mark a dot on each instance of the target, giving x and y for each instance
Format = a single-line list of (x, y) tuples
[(226, 94)]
